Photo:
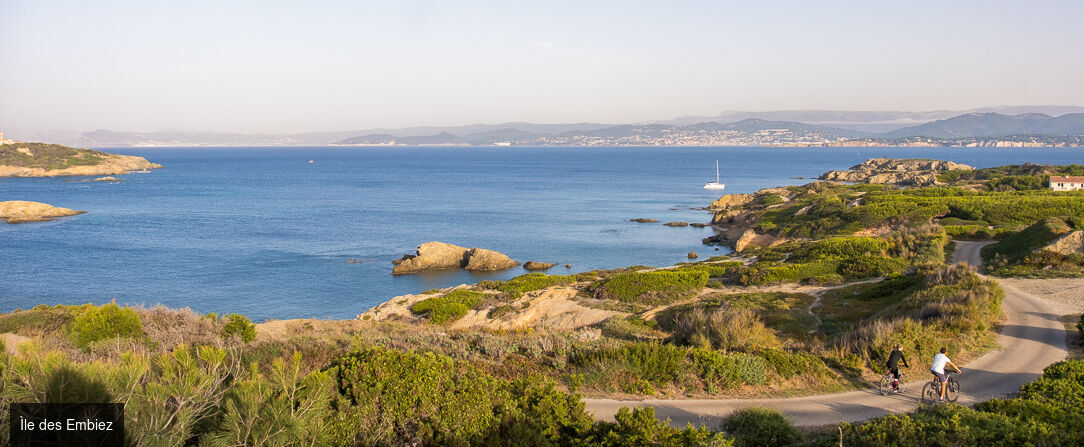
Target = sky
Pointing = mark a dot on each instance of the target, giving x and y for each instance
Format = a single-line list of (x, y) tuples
[(291, 66)]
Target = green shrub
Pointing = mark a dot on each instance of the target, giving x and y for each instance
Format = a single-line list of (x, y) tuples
[(448, 307), (727, 329), (639, 427), (1080, 326), (240, 326), (533, 281), (108, 321), (859, 268), (761, 427), (434, 400), (839, 248), (766, 273), (657, 287), (791, 364)]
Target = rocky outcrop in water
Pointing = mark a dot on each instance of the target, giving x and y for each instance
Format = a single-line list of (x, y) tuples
[(643, 220), (535, 265), (439, 256), (894, 171), (18, 211), (677, 224)]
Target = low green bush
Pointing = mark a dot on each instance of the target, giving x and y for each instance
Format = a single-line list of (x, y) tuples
[(449, 306), (656, 287), (533, 281), (761, 427), (435, 400), (639, 427), (104, 322), (839, 248), (240, 326), (866, 267)]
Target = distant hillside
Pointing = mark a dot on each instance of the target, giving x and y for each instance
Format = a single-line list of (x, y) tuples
[(793, 127), (996, 125)]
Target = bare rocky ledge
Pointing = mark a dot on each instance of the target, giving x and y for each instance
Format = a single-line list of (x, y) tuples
[(892, 171), (440, 256), (19, 211)]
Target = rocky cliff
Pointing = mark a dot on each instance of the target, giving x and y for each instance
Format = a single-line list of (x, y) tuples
[(18, 211), (893, 171)]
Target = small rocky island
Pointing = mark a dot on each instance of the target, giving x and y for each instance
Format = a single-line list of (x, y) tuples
[(19, 159), (439, 256), (19, 211)]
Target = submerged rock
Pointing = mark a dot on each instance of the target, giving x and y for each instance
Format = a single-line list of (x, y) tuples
[(677, 224), (643, 219)]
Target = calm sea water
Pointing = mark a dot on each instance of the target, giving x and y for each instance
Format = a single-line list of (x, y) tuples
[(261, 231)]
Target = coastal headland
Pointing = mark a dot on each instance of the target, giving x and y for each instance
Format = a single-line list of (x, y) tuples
[(825, 278), (18, 159)]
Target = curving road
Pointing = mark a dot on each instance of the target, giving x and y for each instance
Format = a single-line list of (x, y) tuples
[(1030, 339)]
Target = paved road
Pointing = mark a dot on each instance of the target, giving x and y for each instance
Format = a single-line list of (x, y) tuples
[(1030, 339)]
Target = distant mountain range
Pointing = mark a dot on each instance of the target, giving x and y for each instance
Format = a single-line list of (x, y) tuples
[(801, 127)]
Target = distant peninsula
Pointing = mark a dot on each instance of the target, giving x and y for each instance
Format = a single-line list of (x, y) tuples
[(18, 159)]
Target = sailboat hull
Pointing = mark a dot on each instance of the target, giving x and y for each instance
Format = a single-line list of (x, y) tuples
[(714, 186)]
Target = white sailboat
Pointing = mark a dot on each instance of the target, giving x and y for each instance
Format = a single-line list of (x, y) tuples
[(715, 184)]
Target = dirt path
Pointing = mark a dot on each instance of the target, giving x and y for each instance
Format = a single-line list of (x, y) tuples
[(1030, 339)]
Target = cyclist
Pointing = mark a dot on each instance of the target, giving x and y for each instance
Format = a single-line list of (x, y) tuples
[(938, 370), (894, 367)]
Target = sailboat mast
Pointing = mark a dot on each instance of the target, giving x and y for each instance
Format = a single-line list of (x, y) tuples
[(716, 171)]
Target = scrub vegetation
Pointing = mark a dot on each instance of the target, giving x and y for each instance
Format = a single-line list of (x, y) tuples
[(850, 271)]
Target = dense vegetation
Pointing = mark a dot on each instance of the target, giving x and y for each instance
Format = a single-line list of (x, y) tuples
[(47, 156), (1023, 253)]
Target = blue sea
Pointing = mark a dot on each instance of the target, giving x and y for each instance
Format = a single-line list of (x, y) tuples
[(263, 232)]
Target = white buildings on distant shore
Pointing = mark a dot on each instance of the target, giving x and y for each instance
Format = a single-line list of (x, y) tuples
[(1066, 183), (3, 141)]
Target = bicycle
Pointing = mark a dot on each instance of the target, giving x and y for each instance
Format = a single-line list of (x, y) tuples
[(931, 392), (886, 383)]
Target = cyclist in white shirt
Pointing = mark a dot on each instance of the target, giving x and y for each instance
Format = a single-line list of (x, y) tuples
[(938, 370)]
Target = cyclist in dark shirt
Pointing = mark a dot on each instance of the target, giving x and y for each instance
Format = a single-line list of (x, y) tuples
[(893, 365)]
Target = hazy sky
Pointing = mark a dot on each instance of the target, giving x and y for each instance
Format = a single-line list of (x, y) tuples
[(268, 66)]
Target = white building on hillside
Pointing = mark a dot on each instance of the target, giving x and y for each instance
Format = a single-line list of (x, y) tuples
[(1066, 183)]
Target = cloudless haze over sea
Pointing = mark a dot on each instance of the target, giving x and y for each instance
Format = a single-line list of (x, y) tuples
[(262, 232)]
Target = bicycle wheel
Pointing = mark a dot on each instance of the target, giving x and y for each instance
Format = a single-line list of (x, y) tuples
[(886, 384), (953, 390), (931, 393)]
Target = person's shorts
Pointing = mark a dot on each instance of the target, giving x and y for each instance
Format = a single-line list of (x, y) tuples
[(940, 376)]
